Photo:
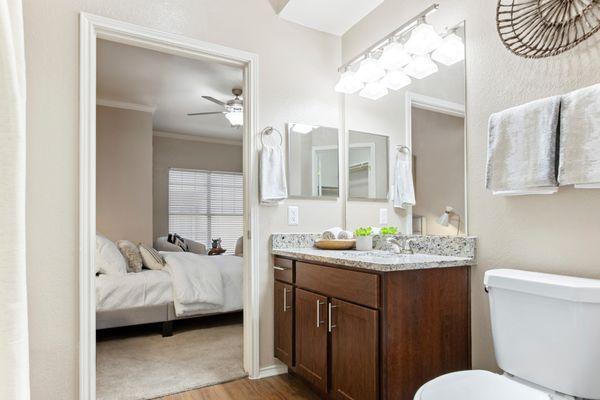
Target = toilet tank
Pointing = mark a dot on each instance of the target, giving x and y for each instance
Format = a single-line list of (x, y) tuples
[(546, 329)]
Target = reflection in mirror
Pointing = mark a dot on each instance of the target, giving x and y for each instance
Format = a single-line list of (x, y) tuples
[(313, 167), (367, 166), (428, 116)]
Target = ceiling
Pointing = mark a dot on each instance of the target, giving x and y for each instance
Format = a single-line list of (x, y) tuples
[(173, 85), (331, 16)]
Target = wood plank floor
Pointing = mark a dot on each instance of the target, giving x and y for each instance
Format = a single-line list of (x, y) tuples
[(281, 387)]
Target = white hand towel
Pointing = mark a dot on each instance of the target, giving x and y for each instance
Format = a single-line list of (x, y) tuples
[(345, 235), (579, 160), (522, 149), (273, 186), (403, 191), (331, 233)]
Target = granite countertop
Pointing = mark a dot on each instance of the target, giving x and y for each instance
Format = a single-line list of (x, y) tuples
[(451, 252)]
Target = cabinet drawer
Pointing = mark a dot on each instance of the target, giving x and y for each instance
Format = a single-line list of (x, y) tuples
[(283, 270), (354, 286)]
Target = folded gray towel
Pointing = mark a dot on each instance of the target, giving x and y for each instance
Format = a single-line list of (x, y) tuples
[(579, 161), (331, 233), (522, 148)]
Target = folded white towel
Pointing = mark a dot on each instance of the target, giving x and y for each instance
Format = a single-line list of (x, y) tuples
[(273, 186), (588, 186), (345, 235), (522, 150), (403, 191), (549, 190), (331, 233), (579, 161)]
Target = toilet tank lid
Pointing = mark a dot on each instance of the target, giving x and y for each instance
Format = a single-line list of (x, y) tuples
[(569, 288)]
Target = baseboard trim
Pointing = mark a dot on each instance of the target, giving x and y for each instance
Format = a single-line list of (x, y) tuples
[(272, 370)]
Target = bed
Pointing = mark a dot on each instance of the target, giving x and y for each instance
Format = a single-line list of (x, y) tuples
[(191, 285)]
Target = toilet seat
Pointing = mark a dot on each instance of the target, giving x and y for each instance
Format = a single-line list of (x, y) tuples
[(478, 385)]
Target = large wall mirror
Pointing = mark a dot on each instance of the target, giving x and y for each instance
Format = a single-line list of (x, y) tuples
[(428, 117), (313, 161)]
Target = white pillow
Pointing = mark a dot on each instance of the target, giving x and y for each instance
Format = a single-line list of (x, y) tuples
[(109, 259)]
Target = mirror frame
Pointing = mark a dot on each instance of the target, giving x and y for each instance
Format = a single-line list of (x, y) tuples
[(387, 153), (288, 157)]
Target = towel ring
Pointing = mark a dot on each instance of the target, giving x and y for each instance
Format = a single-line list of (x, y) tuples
[(268, 131)]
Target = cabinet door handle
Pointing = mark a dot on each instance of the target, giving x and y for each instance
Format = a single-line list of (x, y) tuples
[(284, 299), (319, 304), (279, 268), (331, 326)]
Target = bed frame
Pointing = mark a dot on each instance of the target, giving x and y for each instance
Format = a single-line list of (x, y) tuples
[(145, 315)]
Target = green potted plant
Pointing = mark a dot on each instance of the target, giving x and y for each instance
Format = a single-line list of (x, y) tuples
[(389, 231), (364, 240)]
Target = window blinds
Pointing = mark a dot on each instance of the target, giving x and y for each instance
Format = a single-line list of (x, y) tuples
[(205, 205)]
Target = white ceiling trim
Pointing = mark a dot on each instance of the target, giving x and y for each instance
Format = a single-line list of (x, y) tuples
[(197, 138), (125, 105)]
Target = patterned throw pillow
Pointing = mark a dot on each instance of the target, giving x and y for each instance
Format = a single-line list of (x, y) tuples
[(132, 254), (151, 258)]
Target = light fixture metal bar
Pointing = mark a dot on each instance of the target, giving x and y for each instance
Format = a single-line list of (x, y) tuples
[(411, 23)]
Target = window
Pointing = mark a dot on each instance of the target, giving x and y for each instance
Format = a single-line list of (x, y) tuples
[(205, 205)]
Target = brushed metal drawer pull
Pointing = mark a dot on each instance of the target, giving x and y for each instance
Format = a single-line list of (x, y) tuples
[(279, 268), (284, 299), (319, 304), (331, 326)]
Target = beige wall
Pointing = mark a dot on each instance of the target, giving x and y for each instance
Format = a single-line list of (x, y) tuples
[(297, 73), (124, 174), (438, 146), (190, 154), (555, 233)]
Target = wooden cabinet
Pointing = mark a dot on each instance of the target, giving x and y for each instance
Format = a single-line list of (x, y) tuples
[(311, 338), (354, 351), (370, 335), (284, 325)]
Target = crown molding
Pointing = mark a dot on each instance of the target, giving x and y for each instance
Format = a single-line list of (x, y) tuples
[(197, 138), (125, 105)]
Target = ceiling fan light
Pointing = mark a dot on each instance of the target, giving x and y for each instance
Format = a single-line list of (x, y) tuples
[(423, 40), (373, 91), (451, 51), (370, 71), (394, 56), (235, 118), (348, 83), (395, 80), (421, 67)]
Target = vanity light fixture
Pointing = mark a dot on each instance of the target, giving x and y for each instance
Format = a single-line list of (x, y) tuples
[(373, 91), (395, 80), (423, 39), (451, 51), (303, 128), (348, 83), (235, 118), (370, 70), (421, 67), (444, 219), (394, 57)]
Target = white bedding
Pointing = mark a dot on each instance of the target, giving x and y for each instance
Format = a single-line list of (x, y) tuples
[(151, 288)]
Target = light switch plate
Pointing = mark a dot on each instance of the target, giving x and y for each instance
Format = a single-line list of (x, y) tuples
[(293, 217), (383, 216)]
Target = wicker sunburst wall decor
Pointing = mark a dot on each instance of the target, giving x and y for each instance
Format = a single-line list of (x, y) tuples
[(544, 28)]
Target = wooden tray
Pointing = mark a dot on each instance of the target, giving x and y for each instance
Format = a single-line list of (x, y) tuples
[(336, 244)]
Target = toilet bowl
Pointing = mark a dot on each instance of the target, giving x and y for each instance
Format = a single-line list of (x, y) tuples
[(546, 331)]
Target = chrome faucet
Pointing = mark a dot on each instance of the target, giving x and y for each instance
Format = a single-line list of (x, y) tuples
[(401, 245)]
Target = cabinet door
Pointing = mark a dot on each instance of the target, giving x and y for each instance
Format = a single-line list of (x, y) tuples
[(311, 338), (354, 351), (284, 312)]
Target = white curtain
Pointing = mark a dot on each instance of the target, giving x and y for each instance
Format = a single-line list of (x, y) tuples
[(14, 338)]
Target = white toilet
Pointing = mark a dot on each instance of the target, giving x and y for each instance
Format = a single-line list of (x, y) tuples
[(546, 331)]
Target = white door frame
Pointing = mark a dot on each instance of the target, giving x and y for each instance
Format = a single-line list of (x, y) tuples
[(93, 27), (429, 103)]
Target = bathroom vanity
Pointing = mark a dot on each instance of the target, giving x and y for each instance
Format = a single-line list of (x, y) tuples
[(371, 325)]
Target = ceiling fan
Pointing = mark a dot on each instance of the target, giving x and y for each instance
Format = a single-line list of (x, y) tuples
[(234, 108)]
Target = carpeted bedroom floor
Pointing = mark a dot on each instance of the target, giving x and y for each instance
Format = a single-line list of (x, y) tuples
[(138, 363)]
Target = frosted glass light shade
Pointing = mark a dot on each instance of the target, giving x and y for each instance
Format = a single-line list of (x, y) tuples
[(421, 67), (395, 80), (451, 51), (370, 71), (348, 83), (423, 40), (443, 219), (394, 57), (235, 118), (373, 91)]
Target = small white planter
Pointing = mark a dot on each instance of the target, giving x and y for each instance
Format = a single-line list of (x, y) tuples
[(364, 243)]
